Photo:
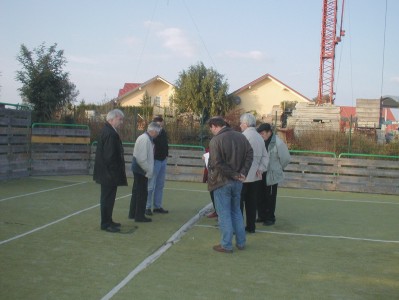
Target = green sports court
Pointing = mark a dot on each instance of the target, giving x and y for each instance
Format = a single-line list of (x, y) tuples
[(324, 245)]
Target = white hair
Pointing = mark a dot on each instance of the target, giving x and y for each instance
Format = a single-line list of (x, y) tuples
[(248, 119), (113, 113), (154, 126)]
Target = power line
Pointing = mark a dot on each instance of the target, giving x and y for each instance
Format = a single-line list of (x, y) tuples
[(145, 40), (350, 54), (383, 48), (199, 34)]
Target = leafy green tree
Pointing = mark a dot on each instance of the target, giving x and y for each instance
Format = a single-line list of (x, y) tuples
[(146, 100), (146, 106), (45, 86), (201, 91)]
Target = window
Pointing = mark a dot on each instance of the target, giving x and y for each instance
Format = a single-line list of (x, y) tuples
[(157, 101)]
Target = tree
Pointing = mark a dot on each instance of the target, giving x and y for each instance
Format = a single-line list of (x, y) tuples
[(201, 91), (145, 103), (45, 86)]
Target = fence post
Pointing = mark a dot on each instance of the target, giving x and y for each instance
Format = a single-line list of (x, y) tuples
[(350, 135)]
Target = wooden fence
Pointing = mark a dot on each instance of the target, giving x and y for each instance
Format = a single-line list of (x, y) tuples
[(311, 172), (367, 175), (354, 174), (60, 149), (184, 162), (14, 143), (306, 171)]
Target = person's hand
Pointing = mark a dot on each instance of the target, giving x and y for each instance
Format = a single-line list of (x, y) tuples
[(240, 177)]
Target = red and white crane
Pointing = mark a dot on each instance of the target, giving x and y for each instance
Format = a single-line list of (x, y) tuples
[(329, 40)]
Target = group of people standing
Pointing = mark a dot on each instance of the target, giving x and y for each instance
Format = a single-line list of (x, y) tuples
[(148, 166), (244, 170)]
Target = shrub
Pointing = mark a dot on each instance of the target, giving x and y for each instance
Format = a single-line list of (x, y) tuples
[(339, 142)]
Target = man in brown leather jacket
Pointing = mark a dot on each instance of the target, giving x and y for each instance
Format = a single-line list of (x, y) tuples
[(230, 159)]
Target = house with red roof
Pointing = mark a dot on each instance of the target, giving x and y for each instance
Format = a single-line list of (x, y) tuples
[(348, 115), (157, 89), (259, 96), (388, 120), (127, 88)]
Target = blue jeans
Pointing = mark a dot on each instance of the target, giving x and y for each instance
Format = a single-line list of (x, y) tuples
[(227, 202), (156, 184)]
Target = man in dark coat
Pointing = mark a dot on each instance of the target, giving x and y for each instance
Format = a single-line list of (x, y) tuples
[(109, 168)]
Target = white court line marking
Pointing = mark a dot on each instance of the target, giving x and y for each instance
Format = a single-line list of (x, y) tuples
[(305, 198), (44, 191), (59, 220), (340, 200), (76, 213), (54, 222), (153, 257), (51, 179), (315, 235), (186, 190)]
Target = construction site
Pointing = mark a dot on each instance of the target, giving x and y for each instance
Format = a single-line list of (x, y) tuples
[(371, 117)]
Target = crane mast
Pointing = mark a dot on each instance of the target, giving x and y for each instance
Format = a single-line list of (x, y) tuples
[(329, 40)]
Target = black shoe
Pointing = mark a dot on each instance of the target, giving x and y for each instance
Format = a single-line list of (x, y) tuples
[(269, 223), (144, 220), (249, 231), (240, 247), (111, 229), (115, 224), (131, 217), (160, 210), (148, 212), (260, 220)]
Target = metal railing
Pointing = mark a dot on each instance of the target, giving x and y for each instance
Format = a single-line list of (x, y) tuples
[(59, 125), (170, 145), (368, 155), (313, 152), (17, 106)]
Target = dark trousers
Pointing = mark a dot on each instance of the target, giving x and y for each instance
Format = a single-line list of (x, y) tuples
[(139, 197), (107, 201), (267, 202), (271, 197), (213, 200), (249, 196)]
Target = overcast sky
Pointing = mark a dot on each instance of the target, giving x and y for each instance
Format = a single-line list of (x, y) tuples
[(108, 43)]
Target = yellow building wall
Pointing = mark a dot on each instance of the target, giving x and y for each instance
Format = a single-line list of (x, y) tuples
[(154, 89), (264, 95)]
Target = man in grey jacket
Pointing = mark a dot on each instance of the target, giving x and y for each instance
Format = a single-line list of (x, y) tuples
[(142, 167), (230, 158)]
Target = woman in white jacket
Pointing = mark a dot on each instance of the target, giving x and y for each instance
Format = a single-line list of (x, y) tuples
[(279, 158)]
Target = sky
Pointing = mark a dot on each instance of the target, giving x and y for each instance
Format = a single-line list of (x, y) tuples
[(108, 43)]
